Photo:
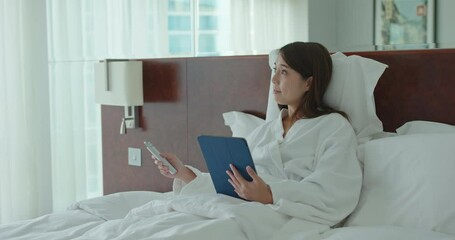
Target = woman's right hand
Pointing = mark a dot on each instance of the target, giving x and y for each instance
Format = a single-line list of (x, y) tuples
[(183, 173)]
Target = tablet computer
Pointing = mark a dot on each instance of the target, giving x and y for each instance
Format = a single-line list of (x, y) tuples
[(218, 153)]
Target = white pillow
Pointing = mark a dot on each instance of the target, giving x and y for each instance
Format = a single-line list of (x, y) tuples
[(408, 181), (241, 124), (417, 127), (350, 90), (272, 107)]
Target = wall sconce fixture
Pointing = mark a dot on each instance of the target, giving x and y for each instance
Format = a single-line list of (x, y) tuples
[(118, 82)]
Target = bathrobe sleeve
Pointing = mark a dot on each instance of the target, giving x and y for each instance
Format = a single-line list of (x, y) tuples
[(331, 191), (201, 184)]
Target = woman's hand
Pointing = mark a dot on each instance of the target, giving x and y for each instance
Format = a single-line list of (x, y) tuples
[(256, 190), (183, 173)]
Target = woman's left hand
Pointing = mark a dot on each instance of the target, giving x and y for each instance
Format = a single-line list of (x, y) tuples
[(256, 190)]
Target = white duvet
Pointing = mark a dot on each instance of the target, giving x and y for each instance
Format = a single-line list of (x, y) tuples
[(162, 216), (150, 215), (66, 225)]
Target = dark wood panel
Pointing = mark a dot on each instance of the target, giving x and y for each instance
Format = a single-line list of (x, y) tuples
[(186, 98), (163, 121), (417, 85), (218, 85)]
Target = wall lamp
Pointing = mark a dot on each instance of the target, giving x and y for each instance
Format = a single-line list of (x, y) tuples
[(118, 82)]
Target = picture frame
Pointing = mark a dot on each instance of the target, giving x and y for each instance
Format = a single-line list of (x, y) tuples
[(404, 24)]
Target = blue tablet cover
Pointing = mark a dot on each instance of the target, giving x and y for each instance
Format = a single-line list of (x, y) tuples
[(219, 152)]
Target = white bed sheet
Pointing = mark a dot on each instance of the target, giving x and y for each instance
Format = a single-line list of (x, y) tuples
[(150, 215), (66, 225), (384, 232), (80, 218)]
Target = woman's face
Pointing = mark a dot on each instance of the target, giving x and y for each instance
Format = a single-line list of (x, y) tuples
[(288, 85)]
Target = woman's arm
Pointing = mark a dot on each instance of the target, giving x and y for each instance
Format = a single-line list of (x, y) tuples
[(183, 173), (187, 180)]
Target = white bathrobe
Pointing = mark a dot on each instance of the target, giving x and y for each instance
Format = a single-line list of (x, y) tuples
[(313, 171)]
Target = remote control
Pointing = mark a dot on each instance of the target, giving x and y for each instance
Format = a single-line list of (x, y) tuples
[(157, 155)]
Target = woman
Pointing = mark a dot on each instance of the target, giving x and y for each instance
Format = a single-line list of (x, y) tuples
[(306, 158)]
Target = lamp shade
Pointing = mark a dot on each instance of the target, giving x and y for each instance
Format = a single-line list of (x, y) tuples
[(119, 83)]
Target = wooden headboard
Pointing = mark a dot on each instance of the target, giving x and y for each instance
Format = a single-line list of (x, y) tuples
[(186, 97)]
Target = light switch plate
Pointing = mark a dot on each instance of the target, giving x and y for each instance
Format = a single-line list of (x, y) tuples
[(134, 157)]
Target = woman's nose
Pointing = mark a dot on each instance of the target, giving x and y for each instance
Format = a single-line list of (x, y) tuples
[(275, 78)]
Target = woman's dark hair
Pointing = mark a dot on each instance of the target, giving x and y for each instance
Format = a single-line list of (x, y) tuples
[(311, 59)]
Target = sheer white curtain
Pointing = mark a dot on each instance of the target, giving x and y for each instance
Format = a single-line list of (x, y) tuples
[(51, 134), (81, 33), (258, 26), (25, 161), (75, 123)]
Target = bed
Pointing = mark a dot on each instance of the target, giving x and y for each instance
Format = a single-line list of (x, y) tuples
[(406, 144)]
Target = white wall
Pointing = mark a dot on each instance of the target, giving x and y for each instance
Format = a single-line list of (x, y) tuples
[(322, 22), (445, 19), (300, 11), (343, 25), (355, 25)]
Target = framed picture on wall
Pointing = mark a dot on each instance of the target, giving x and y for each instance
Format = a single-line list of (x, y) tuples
[(404, 24)]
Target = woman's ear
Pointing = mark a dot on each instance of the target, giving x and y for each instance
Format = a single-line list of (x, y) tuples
[(309, 81)]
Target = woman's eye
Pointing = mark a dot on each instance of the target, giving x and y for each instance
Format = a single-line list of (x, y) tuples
[(284, 72)]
